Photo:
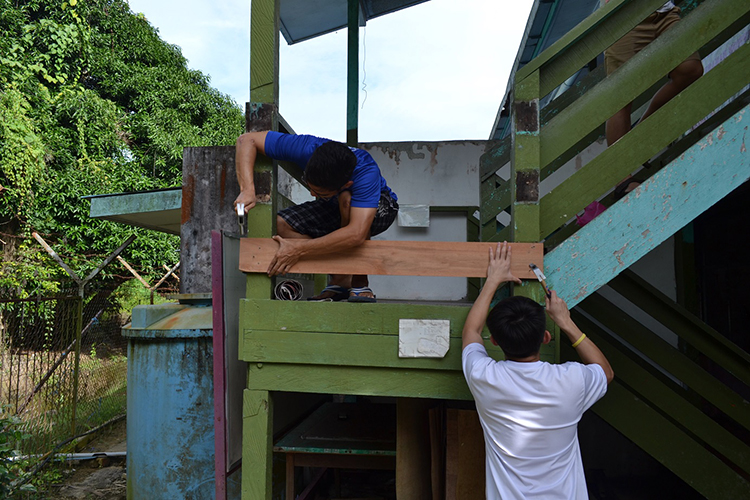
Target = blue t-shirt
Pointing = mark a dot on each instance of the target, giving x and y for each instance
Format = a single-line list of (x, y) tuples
[(367, 180)]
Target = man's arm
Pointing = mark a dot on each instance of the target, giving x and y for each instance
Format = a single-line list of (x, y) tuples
[(498, 272), (352, 235), (586, 349), (247, 148)]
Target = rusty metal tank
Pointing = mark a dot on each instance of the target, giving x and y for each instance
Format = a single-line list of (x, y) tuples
[(170, 432)]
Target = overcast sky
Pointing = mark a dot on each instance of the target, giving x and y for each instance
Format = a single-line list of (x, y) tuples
[(435, 71)]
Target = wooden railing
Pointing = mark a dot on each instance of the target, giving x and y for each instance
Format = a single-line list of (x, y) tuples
[(668, 400), (543, 140)]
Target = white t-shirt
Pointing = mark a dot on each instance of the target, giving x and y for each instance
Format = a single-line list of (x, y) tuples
[(529, 413)]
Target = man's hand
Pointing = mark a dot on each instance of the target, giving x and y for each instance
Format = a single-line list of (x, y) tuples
[(498, 271), (247, 197), (558, 311), (287, 255), (586, 349)]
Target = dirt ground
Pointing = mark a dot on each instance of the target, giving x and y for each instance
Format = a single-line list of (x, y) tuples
[(99, 478)]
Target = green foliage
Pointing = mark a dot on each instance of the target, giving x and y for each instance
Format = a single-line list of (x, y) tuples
[(11, 470), (92, 101)]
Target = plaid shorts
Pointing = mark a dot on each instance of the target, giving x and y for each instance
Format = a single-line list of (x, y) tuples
[(320, 217)]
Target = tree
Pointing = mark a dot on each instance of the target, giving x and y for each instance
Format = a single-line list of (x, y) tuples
[(92, 101)]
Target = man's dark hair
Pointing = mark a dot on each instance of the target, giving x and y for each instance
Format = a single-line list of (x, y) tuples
[(517, 324), (330, 166)]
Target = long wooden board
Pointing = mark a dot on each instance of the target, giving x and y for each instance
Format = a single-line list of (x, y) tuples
[(398, 258)]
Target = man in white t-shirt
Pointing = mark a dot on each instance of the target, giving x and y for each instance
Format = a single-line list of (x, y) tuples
[(529, 409)]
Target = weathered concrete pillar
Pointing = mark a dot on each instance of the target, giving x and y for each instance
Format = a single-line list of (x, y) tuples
[(209, 188)]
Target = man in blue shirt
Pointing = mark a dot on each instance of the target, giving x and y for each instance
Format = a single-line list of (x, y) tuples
[(353, 202)]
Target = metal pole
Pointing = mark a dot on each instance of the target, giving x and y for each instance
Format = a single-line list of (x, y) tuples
[(352, 88), (77, 357)]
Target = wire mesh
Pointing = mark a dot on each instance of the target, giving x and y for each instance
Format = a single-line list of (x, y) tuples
[(37, 365)]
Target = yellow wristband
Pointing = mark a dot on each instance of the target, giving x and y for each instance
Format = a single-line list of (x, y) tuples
[(575, 344)]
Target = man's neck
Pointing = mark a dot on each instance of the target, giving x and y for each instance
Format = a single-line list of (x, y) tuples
[(527, 359)]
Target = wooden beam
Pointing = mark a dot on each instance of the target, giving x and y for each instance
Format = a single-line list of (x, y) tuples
[(397, 258), (650, 214), (642, 71), (645, 140), (358, 381)]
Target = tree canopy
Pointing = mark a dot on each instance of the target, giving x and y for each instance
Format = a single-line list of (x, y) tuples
[(92, 101)]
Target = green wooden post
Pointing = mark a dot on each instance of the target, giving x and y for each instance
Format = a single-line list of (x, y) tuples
[(525, 180), (257, 430), (352, 87), (261, 114)]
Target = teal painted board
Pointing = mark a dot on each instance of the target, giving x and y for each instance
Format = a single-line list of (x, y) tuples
[(647, 216)]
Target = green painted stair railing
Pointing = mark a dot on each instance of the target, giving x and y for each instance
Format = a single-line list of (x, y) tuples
[(666, 403), (661, 399), (543, 140)]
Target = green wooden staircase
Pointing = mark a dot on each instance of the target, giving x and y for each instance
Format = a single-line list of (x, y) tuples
[(680, 386)]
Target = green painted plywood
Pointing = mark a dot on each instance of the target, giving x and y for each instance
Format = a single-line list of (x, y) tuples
[(343, 349), (329, 317), (362, 381)]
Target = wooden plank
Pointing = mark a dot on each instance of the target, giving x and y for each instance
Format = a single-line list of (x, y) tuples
[(365, 381), (497, 156), (257, 440), (646, 217), (264, 52), (636, 147), (586, 41), (413, 479), (437, 452), (396, 258), (494, 199), (688, 327), (343, 349), (382, 318), (669, 444), (674, 362), (660, 396), (642, 71), (471, 456)]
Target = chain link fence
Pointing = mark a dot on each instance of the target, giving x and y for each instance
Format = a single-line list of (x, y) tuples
[(58, 382)]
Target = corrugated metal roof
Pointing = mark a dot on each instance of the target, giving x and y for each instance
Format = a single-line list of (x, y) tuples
[(305, 19), (548, 22)]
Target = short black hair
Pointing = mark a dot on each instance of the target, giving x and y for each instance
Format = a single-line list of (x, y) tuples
[(330, 166), (517, 324)]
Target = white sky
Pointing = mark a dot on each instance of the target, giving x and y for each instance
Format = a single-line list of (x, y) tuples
[(435, 71)]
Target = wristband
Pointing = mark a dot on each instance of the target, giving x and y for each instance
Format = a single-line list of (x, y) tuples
[(575, 344)]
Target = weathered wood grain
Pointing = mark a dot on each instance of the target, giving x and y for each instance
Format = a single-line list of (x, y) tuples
[(397, 258)]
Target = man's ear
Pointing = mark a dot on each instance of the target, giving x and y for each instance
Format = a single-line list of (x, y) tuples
[(347, 185), (547, 337)]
